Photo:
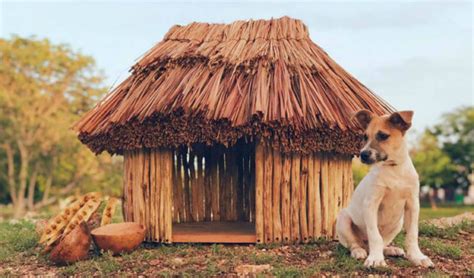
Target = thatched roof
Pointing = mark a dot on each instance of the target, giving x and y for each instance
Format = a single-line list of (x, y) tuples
[(217, 83)]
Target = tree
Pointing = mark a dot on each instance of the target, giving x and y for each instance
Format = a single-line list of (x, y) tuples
[(456, 134), (434, 166), (44, 88)]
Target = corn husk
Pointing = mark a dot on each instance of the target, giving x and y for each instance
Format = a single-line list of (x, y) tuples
[(109, 211)]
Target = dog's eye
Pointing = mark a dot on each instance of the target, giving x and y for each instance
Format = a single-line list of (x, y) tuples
[(382, 136), (366, 137)]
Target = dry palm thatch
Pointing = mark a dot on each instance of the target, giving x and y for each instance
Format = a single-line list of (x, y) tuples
[(216, 83)]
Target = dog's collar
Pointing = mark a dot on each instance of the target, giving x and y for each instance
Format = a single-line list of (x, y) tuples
[(390, 163)]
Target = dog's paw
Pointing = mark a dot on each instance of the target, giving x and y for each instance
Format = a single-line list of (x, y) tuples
[(374, 261), (359, 253), (393, 251), (421, 260)]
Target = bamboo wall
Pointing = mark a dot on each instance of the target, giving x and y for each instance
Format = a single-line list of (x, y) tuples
[(147, 192), (290, 198), (214, 184), (298, 197)]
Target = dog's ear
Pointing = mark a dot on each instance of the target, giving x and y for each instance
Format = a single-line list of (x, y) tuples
[(401, 120), (363, 117)]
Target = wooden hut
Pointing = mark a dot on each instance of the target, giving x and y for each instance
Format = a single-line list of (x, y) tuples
[(234, 132)]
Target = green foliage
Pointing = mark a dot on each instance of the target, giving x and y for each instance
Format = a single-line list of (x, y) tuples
[(456, 133), (44, 89), (359, 170), (434, 167)]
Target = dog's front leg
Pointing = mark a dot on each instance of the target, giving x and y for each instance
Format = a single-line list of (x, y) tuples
[(371, 207), (414, 254)]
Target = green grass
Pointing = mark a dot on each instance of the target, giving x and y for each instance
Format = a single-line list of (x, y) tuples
[(428, 213), (440, 248), (429, 230), (18, 247), (16, 238)]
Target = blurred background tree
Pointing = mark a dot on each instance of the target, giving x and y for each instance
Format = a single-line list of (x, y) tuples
[(456, 134), (44, 88)]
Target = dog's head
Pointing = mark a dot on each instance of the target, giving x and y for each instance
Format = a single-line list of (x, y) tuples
[(383, 137)]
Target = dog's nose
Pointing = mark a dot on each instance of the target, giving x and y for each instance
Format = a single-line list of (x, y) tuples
[(365, 155)]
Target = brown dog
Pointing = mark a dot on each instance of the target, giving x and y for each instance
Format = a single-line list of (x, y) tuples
[(387, 198)]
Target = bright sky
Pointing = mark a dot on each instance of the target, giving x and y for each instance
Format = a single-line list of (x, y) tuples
[(416, 55)]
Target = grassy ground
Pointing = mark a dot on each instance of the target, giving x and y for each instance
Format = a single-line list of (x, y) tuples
[(444, 211), (452, 250)]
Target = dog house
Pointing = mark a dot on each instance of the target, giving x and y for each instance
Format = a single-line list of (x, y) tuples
[(234, 132)]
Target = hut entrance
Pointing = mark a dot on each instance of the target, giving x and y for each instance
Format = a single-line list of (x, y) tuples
[(213, 194)]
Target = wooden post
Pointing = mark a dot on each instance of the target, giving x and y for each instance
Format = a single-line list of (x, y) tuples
[(317, 225), (146, 193), (215, 185), (168, 196), (295, 197), (286, 205), (207, 186), (311, 197), (187, 184), (325, 195), (222, 186), (259, 180), (200, 187), (153, 197), (303, 198), (277, 172), (267, 195)]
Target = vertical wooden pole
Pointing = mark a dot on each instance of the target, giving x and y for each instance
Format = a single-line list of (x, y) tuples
[(222, 186), (311, 197), (325, 195), (146, 193), (295, 197), (194, 186), (139, 189), (285, 202), (156, 195), (179, 185), (303, 199), (187, 183), (277, 172), (318, 218), (200, 187), (259, 180), (267, 195), (153, 198), (207, 186), (168, 194), (252, 177), (233, 192), (240, 177), (175, 189), (213, 165)]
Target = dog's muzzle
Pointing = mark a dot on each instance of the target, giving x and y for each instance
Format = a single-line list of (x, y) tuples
[(366, 157)]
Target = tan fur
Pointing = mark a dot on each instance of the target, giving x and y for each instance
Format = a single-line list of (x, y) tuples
[(387, 198)]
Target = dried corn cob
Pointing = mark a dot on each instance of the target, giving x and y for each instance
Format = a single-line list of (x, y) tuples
[(109, 211), (82, 215), (55, 226)]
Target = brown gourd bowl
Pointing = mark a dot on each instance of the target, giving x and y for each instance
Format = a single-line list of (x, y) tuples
[(119, 237)]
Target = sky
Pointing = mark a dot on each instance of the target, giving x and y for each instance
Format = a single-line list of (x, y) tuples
[(416, 55)]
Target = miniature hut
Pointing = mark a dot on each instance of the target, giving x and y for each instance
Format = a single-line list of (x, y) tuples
[(234, 132)]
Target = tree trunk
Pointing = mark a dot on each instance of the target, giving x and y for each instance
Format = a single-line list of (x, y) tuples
[(11, 172), (49, 181), (20, 204), (31, 188), (431, 196)]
